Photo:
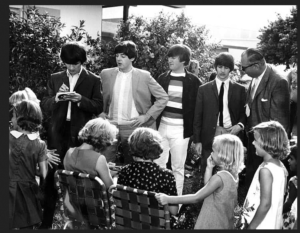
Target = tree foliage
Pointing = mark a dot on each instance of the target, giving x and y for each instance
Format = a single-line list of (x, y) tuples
[(34, 46), (278, 40), (154, 37)]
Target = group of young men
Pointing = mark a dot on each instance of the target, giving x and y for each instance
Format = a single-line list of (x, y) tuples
[(177, 104)]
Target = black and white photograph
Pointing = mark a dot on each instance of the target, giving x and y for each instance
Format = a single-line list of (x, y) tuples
[(152, 117)]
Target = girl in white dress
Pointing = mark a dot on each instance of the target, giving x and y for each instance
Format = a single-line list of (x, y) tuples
[(265, 197)]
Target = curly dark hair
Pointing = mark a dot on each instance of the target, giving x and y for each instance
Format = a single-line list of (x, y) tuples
[(29, 115), (99, 133), (145, 143)]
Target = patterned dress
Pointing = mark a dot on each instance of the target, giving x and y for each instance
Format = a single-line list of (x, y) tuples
[(148, 176), (290, 217)]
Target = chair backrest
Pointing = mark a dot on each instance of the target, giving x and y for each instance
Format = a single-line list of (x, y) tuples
[(87, 195), (138, 209)]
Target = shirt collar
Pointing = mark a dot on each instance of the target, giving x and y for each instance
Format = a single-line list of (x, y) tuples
[(127, 73), (31, 136), (178, 74), (70, 76), (219, 82)]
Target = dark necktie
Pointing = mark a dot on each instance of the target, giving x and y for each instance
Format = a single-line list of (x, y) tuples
[(221, 94)]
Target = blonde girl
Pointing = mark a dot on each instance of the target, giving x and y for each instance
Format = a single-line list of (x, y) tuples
[(220, 190), (264, 200)]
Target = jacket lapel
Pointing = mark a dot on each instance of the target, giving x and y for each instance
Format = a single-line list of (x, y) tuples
[(230, 90), (65, 79), (215, 89), (135, 81), (112, 78), (263, 82), (82, 75)]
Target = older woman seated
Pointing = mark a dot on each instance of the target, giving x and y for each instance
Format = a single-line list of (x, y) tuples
[(96, 135), (145, 146)]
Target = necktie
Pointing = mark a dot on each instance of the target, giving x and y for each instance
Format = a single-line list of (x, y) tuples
[(221, 94), (252, 91)]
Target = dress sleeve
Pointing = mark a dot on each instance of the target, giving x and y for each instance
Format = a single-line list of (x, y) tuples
[(42, 156)]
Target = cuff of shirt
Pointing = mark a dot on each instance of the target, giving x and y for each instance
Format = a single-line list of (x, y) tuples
[(241, 124)]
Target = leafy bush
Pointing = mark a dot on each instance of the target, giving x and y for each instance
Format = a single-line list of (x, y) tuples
[(34, 45), (154, 37)]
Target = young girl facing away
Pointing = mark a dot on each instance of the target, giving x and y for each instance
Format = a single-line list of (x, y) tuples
[(220, 190), (290, 204), (264, 200), (25, 151)]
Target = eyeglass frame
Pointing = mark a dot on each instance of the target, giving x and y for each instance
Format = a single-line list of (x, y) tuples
[(245, 67)]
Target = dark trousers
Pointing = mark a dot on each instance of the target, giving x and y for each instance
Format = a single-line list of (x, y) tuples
[(62, 144), (253, 160)]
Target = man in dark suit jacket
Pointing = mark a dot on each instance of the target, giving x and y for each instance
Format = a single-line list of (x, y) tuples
[(267, 99), (213, 118), (69, 112)]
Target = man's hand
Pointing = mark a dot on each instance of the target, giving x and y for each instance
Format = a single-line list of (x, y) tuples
[(235, 129), (161, 198), (63, 88), (137, 121), (52, 157), (103, 115), (198, 148), (74, 97)]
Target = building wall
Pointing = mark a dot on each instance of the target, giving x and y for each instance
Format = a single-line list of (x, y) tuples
[(72, 14)]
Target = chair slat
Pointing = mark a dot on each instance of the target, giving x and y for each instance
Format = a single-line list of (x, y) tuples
[(88, 196), (138, 209)]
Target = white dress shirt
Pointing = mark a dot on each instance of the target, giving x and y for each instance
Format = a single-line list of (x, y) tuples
[(72, 80), (226, 115)]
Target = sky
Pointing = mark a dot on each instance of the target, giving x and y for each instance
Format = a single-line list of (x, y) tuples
[(236, 16)]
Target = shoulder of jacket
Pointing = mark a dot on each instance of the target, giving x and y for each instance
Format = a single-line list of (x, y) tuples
[(57, 74), (144, 72), (91, 74), (163, 74)]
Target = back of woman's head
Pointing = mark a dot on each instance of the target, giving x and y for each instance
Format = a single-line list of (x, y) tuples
[(17, 97), (26, 94), (145, 143), (230, 152), (29, 115), (99, 133), (273, 139)]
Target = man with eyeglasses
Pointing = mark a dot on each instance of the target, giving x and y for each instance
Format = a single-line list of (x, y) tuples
[(74, 98), (267, 99)]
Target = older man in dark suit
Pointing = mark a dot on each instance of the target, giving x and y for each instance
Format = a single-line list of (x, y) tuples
[(220, 108), (267, 99), (81, 100)]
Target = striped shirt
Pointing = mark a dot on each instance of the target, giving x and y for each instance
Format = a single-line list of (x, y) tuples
[(173, 114), (122, 107)]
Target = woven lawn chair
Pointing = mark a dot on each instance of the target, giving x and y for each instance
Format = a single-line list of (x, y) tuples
[(87, 194), (138, 209)]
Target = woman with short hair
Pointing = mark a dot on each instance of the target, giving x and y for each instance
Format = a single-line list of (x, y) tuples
[(145, 146)]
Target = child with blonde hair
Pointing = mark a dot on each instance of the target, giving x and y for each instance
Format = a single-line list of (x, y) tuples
[(264, 201), (220, 190)]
